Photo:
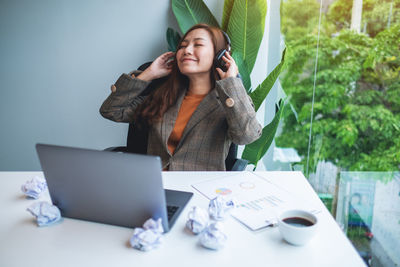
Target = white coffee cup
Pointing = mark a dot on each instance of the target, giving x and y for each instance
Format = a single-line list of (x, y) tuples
[(297, 227)]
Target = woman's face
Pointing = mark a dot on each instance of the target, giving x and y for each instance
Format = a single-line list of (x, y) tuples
[(196, 53)]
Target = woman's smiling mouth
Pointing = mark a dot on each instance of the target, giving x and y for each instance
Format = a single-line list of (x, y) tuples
[(186, 59)]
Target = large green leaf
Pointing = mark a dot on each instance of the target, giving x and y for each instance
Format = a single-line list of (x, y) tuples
[(191, 12), (226, 14), (173, 38), (244, 73), (255, 151), (246, 28), (262, 90)]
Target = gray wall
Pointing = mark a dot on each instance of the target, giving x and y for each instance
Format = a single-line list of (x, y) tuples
[(58, 59)]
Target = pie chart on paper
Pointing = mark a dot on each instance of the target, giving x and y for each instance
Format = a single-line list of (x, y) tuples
[(223, 191)]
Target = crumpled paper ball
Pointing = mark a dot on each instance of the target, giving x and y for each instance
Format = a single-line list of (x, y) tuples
[(197, 220), (148, 237), (153, 225), (45, 213), (34, 187), (220, 207), (213, 236)]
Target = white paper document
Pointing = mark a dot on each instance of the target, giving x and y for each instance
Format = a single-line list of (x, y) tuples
[(259, 202)]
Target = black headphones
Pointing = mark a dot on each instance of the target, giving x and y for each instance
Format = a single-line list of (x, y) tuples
[(218, 61)]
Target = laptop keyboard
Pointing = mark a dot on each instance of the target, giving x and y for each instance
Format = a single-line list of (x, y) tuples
[(171, 211)]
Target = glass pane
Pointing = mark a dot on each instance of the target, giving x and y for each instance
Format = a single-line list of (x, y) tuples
[(341, 125), (368, 209)]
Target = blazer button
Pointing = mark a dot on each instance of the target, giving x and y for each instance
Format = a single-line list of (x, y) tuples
[(113, 88), (229, 102)]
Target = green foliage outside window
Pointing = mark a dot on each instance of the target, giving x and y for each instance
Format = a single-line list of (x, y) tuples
[(375, 14), (356, 119), (299, 18)]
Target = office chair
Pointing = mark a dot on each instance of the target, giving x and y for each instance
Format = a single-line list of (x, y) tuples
[(138, 136)]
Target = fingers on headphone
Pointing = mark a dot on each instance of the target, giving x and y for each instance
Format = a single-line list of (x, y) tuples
[(220, 72), (226, 59)]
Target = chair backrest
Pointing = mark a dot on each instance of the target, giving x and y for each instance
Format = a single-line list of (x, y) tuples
[(137, 138), (232, 157)]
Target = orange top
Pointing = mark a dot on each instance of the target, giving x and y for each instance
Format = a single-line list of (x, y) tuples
[(188, 106)]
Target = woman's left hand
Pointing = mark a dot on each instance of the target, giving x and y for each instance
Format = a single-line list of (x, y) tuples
[(230, 64)]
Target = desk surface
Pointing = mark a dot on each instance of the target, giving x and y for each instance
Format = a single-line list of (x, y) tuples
[(81, 243)]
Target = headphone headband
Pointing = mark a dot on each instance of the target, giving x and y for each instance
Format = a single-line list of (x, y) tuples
[(227, 39)]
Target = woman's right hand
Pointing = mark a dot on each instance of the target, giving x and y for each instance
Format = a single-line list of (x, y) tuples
[(161, 67)]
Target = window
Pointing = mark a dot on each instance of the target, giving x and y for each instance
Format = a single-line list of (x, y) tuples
[(341, 127)]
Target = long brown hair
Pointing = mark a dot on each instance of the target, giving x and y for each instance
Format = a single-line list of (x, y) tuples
[(160, 100)]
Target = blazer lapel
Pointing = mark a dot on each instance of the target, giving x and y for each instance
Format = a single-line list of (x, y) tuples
[(206, 106)]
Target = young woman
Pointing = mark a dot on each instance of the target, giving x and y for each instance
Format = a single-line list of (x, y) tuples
[(197, 113)]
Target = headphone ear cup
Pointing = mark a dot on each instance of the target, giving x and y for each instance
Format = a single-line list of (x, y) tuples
[(218, 61)]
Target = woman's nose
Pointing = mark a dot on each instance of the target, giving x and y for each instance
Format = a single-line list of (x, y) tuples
[(188, 49)]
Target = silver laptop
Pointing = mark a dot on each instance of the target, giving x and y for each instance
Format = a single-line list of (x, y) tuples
[(107, 187)]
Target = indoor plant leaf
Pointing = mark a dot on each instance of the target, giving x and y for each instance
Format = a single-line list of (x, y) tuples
[(226, 13), (173, 38), (191, 12), (262, 90), (244, 73), (255, 151), (246, 28)]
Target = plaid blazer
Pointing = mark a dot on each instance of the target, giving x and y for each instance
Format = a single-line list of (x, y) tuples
[(224, 116)]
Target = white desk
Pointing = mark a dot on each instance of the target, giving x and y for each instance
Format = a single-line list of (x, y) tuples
[(81, 243)]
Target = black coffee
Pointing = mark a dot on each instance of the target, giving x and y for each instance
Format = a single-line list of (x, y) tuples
[(297, 221)]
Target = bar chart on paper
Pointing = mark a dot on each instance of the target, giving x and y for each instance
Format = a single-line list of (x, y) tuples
[(258, 201)]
